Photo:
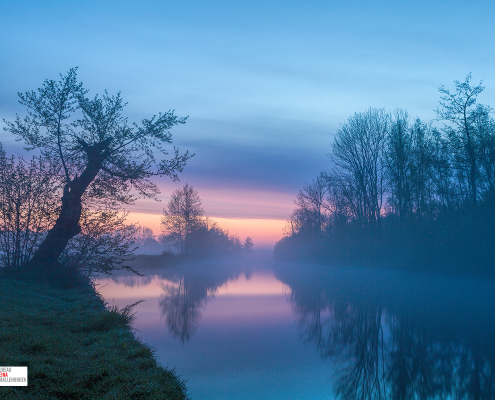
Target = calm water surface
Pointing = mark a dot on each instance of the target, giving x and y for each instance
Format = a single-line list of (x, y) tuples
[(254, 329)]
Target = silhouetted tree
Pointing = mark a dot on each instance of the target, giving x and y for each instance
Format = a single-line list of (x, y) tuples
[(423, 194), (28, 205), (358, 153), (400, 165), (486, 133), (463, 115), (311, 213), (105, 244), (434, 187), (182, 217), (410, 168), (248, 245), (208, 238), (183, 226), (98, 155)]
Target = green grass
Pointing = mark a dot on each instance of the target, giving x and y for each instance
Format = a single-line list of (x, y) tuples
[(76, 348)]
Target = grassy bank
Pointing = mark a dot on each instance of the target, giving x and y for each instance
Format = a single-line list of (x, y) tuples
[(75, 348)]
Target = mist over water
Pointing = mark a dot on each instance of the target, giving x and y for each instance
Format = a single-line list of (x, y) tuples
[(250, 328)]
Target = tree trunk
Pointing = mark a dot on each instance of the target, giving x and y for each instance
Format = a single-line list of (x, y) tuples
[(66, 227), (45, 259)]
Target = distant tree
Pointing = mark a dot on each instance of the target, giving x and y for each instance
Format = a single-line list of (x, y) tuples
[(147, 242), (182, 217), (98, 155), (248, 245), (463, 116), (208, 239), (143, 234), (236, 244)]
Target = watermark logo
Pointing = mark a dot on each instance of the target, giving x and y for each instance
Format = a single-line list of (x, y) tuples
[(13, 376)]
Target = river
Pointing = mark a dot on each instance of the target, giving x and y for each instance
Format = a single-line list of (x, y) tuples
[(251, 328)]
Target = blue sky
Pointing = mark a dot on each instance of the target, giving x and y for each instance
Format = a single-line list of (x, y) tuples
[(265, 83)]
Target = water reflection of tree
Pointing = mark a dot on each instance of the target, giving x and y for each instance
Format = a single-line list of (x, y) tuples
[(181, 305), (182, 301), (381, 350)]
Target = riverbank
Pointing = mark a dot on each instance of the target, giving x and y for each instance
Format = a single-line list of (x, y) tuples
[(76, 348)]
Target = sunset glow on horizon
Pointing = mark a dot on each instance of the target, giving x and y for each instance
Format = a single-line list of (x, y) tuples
[(264, 232), (259, 214), (264, 85), (251, 199)]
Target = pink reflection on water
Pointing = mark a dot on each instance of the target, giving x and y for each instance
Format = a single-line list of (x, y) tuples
[(259, 296)]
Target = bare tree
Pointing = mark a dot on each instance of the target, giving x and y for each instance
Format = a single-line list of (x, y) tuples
[(182, 217), (485, 127), (399, 165), (423, 143), (358, 154), (462, 113), (97, 153), (310, 215), (248, 245), (28, 208), (28, 204), (105, 244)]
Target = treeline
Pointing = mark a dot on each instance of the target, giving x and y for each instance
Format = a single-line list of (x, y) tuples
[(30, 195), (62, 213), (61, 217), (402, 191), (186, 231)]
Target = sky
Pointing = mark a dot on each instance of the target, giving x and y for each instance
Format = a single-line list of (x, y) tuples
[(265, 83)]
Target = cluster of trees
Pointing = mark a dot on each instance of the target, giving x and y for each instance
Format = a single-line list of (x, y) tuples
[(146, 242), (190, 233), (60, 213), (389, 170), (30, 194)]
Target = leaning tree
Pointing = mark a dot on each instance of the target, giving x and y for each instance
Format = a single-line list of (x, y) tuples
[(99, 155)]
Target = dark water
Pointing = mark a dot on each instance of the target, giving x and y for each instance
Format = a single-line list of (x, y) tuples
[(254, 329)]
